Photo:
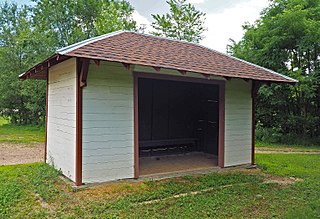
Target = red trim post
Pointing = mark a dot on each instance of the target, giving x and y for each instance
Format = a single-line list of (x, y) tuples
[(221, 125), (46, 136), (78, 170), (254, 91), (136, 126)]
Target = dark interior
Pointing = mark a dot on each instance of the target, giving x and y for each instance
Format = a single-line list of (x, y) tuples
[(177, 117)]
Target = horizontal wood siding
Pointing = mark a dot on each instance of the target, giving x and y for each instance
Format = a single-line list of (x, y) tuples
[(108, 151), (238, 122), (61, 131)]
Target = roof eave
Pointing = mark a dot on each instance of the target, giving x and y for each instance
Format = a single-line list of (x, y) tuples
[(39, 71)]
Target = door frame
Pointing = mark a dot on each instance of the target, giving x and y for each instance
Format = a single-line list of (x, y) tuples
[(221, 85)]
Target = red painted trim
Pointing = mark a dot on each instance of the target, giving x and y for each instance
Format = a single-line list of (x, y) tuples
[(78, 163), (38, 71), (136, 126), (221, 84), (254, 90), (46, 137), (84, 72), (177, 78), (222, 97)]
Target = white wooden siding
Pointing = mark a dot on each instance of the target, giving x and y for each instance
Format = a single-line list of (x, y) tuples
[(108, 146), (62, 117), (238, 119)]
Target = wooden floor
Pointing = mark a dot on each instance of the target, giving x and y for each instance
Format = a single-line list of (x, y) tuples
[(176, 163)]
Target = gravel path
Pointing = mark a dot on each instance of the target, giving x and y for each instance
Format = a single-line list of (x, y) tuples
[(284, 150), (19, 153)]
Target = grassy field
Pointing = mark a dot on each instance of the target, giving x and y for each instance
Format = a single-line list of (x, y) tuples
[(20, 134), (36, 191)]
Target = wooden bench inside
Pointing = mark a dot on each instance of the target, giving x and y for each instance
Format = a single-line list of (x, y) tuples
[(185, 144)]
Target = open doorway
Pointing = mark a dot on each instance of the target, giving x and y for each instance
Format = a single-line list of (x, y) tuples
[(178, 126)]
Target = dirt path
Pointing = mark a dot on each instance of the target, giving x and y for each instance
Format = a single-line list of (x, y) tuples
[(284, 150), (18, 153)]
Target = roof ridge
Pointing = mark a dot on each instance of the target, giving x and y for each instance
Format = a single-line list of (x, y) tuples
[(74, 46)]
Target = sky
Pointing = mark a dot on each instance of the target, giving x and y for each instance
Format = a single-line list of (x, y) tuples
[(224, 18)]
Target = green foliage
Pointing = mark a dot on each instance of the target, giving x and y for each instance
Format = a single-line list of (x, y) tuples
[(184, 22), (286, 39), (18, 101), (3, 121), (29, 34), (69, 21), (276, 136)]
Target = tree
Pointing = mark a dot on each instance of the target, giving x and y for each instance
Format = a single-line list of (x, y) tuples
[(71, 21), (29, 34), (184, 22), (17, 41), (287, 39)]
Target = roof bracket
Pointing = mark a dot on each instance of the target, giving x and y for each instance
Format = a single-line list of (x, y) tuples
[(246, 79), (97, 62), (255, 88), (84, 68), (227, 78), (183, 72), (126, 65), (206, 76), (157, 68)]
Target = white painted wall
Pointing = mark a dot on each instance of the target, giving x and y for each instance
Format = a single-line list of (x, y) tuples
[(238, 119), (108, 120), (62, 117), (108, 123)]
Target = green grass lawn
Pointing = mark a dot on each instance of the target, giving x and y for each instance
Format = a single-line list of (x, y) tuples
[(36, 191), (20, 134)]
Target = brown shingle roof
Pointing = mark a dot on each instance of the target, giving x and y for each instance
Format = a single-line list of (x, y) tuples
[(135, 48)]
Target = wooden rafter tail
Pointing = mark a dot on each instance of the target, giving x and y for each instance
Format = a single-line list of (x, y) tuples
[(157, 68), (97, 62), (255, 88), (183, 72), (207, 76), (227, 78), (127, 66)]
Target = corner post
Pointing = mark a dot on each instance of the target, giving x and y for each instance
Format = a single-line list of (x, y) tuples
[(78, 162), (47, 114), (221, 125), (254, 91), (136, 125)]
